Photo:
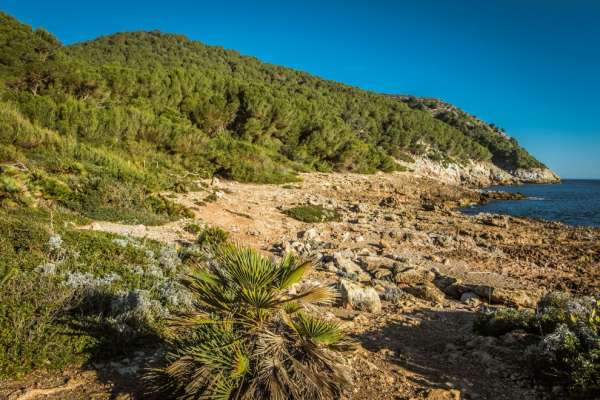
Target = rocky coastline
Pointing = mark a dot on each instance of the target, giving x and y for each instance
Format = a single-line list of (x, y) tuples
[(477, 173), (412, 272)]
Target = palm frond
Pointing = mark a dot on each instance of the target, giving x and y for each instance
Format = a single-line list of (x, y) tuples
[(316, 330), (315, 295), (246, 338), (246, 268), (293, 274)]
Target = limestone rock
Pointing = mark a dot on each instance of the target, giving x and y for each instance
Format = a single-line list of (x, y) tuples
[(359, 297), (310, 234), (411, 276), (378, 267), (350, 268), (500, 221), (346, 264), (389, 201), (494, 295), (427, 291)]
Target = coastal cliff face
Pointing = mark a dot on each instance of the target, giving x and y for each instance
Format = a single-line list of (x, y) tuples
[(510, 163), (536, 175), (478, 173)]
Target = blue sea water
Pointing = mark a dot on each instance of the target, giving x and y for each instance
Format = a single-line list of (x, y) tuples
[(574, 202)]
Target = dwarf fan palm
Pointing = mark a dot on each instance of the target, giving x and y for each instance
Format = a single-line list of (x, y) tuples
[(250, 337)]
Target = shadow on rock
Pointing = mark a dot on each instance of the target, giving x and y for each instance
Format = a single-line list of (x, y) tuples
[(437, 349), (123, 343)]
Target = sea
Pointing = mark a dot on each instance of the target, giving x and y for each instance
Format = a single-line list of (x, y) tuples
[(573, 201)]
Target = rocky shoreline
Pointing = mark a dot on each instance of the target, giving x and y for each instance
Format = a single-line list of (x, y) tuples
[(477, 174)]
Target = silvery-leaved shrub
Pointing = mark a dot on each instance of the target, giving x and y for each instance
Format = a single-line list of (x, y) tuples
[(168, 258), (135, 312), (568, 332)]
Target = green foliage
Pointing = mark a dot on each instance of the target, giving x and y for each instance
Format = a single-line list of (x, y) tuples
[(192, 228), (504, 320), (62, 296), (212, 237), (313, 213), (32, 330), (248, 337), (568, 332), (144, 107)]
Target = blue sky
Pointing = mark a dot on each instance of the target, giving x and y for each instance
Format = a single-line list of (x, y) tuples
[(530, 66)]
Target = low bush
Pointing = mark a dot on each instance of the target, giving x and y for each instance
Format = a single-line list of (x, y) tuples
[(568, 346), (504, 320), (313, 213), (192, 228), (33, 332), (212, 237), (249, 337), (63, 301)]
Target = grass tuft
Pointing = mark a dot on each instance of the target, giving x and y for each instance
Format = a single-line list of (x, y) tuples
[(312, 213)]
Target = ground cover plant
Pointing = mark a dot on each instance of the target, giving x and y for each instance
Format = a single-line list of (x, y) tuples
[(567, 349), (63, 298), (312, 213)]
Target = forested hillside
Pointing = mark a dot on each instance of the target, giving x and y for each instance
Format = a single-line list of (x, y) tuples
[(506, 152), (111, 120)]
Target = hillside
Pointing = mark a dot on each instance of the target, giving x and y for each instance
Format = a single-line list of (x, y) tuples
[(160, 103)]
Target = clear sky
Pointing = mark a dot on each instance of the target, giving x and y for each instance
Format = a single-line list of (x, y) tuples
[(530, 66)]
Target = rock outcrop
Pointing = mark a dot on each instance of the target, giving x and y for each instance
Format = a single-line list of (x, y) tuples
[(478, 173)]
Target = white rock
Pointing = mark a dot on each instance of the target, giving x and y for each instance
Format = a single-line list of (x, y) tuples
[(310, 234), (346, 264), (359, 297)]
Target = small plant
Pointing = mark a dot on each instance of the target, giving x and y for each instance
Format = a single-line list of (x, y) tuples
[(312, 213), (212, 237), (290, 186), (211, 198), (504, 320), (193, 228), (568, 346), (250, 338)]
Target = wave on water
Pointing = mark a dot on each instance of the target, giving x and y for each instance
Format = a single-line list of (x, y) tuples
[(534, 198)]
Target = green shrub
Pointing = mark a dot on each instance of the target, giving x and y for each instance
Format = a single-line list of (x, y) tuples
[(312, 213), (46, 265), (192, 228), (212, 237), (248, 337), (211, 198), (33, 333), (568, 346), (504, 320)]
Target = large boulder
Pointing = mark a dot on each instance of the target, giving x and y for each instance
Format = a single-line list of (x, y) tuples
[(511, 297), (359, 297)]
